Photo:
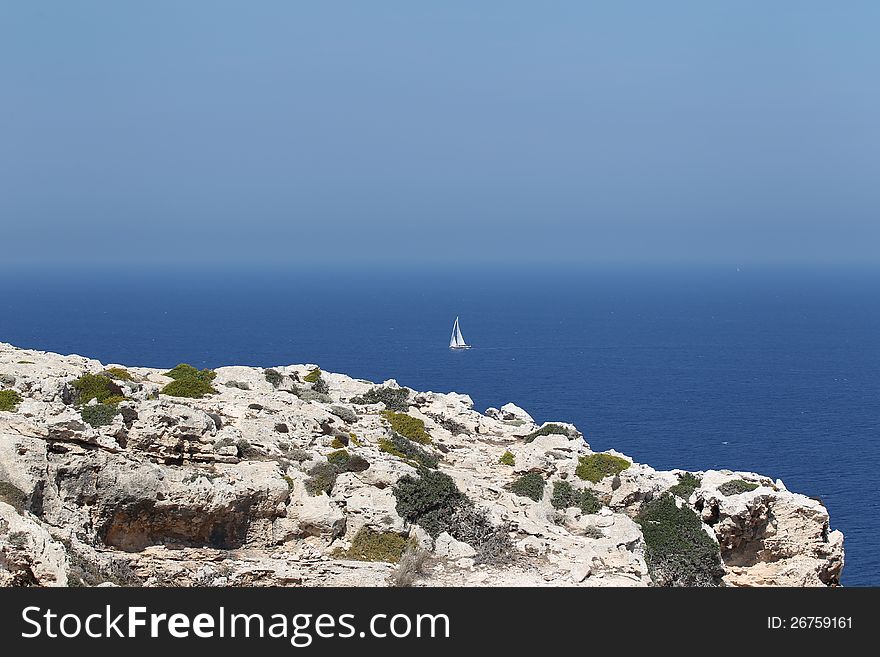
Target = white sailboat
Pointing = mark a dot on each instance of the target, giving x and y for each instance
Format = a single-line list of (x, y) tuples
[(457, 340)]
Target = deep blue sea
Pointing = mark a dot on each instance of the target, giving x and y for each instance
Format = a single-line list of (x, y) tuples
[(771, 370)]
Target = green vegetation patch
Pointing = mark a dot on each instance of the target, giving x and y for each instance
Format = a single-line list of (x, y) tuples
[(9, 400), (687, 484), (395, 399), (189, 382), (565, 496), (322, 478), (99, 415), (273, 376), (596, 467), (736, 486), (343, 461), (405, 449), (94, 386), (507, 458), (313, 376), (408, 426), (371, 545), (119, 373), (530, 485), (549, 430), (677, 550), (185, 371), (429, 500)]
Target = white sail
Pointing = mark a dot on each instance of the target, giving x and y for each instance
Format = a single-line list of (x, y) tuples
[(457, 339)]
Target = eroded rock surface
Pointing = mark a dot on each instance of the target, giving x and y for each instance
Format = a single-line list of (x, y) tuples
[(227, 490)]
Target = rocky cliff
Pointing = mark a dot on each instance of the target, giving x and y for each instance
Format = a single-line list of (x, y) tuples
[(292, 476)]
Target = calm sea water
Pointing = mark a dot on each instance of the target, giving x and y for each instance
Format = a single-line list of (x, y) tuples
[(773, 371)]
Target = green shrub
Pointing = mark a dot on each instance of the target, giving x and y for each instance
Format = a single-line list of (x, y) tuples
[(353, 439), (548, 430), (408, 426), (448, 423), (185, 371), (530, 485), (99, 415), (13, 496), (395, 399), (289, 480), (565, 495), (119, 373), (507, 458), (273, 376), (9, 400), (371, 545), (322, 478), (405, 449), (596, 467), (299, 455), (193, 388), (677, 550), (339, 458), (320, 386), (114, 400), (736, 486), (313, 376), (429, 500), (338, 443), (307, 395), (687, 484), (94, 386)]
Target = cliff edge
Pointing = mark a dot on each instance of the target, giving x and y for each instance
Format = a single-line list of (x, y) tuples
[(242, 476)]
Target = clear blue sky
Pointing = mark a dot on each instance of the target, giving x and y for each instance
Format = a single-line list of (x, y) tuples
[(455, 131)]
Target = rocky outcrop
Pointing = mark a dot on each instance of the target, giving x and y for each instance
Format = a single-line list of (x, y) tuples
[(271, 479)]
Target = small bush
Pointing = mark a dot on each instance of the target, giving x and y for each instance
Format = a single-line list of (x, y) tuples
[(530, 485), (549, 430), (677, 550), (371, 545), (13, 496), (736, 486), (339, 458), (338, 443), (289, 481), (192, 388), (189, 382), (119, 373), (273, 376), (429, 500), (99, 415), (345, 414), (507, 458), (687, 484), (313, 376), (322, 478), (9, 400), (320, 386), (411, 564), (598, 466), (408, 426), (94, 386), (403, 448), (395, 399), (473, 526), (184, 371), (565, 496)]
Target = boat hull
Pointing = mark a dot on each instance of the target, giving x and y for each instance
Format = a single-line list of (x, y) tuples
[(460, 347)]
